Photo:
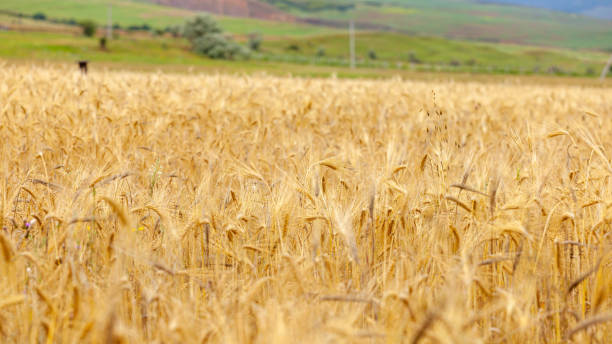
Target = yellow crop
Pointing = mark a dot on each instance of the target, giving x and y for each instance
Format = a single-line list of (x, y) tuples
[(224, 209)]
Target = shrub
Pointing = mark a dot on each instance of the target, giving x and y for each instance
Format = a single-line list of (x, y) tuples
[(293, 47), (216, 46), (372, 55), (321, 52), (39, 16), (254, 41), (143, 27), (103, 43), (201, 26), (413, 59), (89, 27), (175, 31), (207, 39)]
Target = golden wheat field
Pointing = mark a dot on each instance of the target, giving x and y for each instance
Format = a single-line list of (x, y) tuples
[(144, 207)]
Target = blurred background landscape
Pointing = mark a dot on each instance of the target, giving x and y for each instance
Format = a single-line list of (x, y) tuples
[(565, 38)]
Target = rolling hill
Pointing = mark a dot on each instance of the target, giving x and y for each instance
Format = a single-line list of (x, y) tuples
[(508, 21), (288, 45), (127, 13), (462, 19), (454, 19)]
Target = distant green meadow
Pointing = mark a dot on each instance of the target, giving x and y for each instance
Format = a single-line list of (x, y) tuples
[(393, 52), (131, 13), (286, 46), (445, 18), (475, 21), (420, 50)]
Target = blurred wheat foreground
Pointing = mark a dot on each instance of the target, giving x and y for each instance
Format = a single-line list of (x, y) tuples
[(170, 208)]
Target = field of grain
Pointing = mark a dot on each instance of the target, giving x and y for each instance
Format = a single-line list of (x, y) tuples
[(169, 208)]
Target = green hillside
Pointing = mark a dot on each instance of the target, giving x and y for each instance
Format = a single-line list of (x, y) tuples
[(127, 13), (283, 43), (463, 19), (419, 50), (394, 52)]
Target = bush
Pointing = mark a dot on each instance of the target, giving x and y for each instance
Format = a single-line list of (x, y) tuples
[(321, 52), (39, 16), (372, 55), (293, 47), (254, 41), (103, 43), (207, 39), (216, 46), (413, 59), (174, 31), (89, 28), (201, 26), (143, 27)]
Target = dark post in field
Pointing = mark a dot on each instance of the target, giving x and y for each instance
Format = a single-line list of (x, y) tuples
[(83, 66)]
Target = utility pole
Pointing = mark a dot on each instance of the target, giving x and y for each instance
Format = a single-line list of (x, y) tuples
[(109, 24), (352, 42), (606, 69)]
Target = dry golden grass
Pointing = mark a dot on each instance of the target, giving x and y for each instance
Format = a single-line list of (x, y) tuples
[(188, 209)]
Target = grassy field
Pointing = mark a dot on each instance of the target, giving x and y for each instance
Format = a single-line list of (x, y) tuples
[(290, 47), (444, 18), (126, 13), (393, 52), (474, 20), (433, 50), (152, 207)]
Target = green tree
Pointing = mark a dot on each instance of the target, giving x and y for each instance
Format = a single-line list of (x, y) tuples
[(372, 55), (201, 26), (89, 27), (254, 41), (216, 46), (39, 16), (207, 39)]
